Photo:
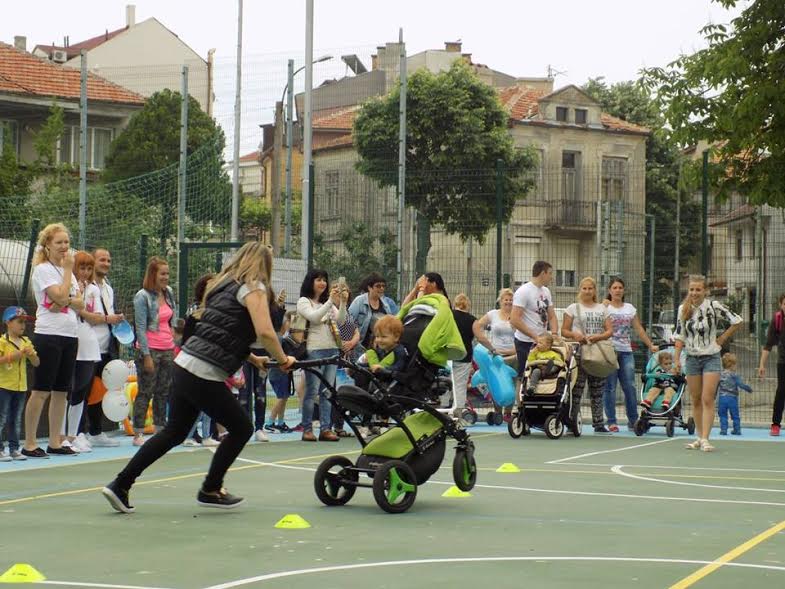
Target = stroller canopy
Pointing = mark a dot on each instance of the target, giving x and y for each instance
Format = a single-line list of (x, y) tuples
[(440, 340)]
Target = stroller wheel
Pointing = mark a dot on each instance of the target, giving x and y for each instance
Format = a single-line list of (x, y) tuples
[(516, 426), (669, 428), (553, 426), (577, 425), (640, 427), (490, 418), (498, 418), (464, 470), (394, 486), (469, 417), (690, 426), (333, 482)]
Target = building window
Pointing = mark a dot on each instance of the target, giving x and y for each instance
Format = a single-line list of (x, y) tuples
[(565, 278), (739, 245), (571, 177), (331, 192), (561, 113), (581, 116), (614, 178), (9, 136), (98, 140)]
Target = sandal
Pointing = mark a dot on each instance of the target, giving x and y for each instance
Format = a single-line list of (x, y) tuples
[(706, 446), (342, 433), (696, 445)]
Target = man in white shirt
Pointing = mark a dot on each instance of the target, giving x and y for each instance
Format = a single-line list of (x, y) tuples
[(532, 311), (108, 347)]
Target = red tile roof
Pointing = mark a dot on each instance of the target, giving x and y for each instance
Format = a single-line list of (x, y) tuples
[(320, 144), (250, 157), (26, 74), (743, 212), (335, 118), (73, 50)]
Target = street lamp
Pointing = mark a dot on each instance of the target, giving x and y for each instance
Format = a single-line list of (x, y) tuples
[(289, 131)]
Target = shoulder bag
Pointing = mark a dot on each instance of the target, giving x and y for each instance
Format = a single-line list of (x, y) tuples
[(599, 358)]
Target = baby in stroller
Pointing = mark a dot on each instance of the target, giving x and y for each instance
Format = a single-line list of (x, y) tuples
[(387, 354), (543, 362), (412, 450), (661, 393), (664, 382)]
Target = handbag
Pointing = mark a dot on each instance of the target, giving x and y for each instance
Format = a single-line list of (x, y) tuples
[(599, 358)]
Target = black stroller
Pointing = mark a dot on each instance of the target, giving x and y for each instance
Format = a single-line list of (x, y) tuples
[(413, 448)]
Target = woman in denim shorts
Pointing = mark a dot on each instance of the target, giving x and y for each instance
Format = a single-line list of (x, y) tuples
[(697, 334)]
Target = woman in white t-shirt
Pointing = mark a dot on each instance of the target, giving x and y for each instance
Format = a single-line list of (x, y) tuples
[(89, 351), (58, 301), (624, 318), (587, 322), (494, 331), (698, 335)]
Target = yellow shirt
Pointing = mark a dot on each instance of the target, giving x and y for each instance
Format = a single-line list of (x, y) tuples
[(535, 355), (13, 376)]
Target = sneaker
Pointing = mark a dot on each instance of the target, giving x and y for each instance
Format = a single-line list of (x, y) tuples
[(138, 440), (5, 457), (694, 445), (190, 442), (260, 436), (82, 439), (210, 442), (614, 429), (37, 453), (61, 451), (723, 432), (81, 445), (17, 455), (68, 444), (646, 404), (328, 435), (736, 432), (283, 428), (117, 497), (221, 499), (270, 427), (102, 441), (601, 429), (308, 437), (665, 406), (775, 430), (298, 428)]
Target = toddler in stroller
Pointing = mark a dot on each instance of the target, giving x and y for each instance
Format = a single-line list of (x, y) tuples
[(410, 451), (546, 399), (661, 394)]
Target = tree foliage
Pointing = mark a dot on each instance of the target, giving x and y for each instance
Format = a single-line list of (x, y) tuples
[(456, 131), (255, 217), (731, 95), (631, 102)]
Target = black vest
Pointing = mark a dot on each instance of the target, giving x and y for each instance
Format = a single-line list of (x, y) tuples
[(225, 331)]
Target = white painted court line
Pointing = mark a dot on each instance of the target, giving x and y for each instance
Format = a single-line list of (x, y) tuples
[(711, 468), (620, 495), (609, 451), (274, 465), (101, 585), (617, 469), (489, 559)]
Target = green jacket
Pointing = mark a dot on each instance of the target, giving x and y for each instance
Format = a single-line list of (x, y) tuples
[(441, 340)]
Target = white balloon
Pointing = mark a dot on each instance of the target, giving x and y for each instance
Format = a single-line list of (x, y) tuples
[(115, 405), (115, 375)]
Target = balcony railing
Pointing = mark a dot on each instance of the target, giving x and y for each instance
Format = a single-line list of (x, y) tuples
[(572, 214)]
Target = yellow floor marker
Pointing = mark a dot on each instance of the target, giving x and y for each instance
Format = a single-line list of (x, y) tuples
[(508, 467), (21, 573), (456, 492), (292, 521)]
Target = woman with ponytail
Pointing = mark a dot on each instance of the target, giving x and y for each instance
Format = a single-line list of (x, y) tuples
[(776, 336)]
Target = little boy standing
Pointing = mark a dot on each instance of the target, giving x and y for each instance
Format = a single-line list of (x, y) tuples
[(728, 393), (15, 351)]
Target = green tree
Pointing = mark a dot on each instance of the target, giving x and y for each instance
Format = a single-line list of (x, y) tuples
[(14, 188), (731, 95), (456, 131), (255, 216), (631, 102)]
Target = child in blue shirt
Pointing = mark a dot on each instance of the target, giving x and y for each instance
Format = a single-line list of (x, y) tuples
[(728, 393)]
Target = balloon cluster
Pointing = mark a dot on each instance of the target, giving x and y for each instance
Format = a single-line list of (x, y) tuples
[(115, 403)]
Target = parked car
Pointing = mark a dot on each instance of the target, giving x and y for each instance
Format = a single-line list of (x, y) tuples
[(665, 328)]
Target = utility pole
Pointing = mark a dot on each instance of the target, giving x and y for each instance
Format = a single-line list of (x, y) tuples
[(401, 162), (237, 105), (275, 181), (83, 150), (287, 238), (307, 130)]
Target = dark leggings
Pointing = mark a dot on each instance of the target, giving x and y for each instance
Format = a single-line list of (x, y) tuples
[(191, 394), (256, 388), (94, 413), (83, 380), (779, 398)]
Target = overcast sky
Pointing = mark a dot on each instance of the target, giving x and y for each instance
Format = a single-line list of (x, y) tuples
[(582, 38)]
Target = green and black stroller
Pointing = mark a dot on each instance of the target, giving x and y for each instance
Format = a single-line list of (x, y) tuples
[(394, 463)]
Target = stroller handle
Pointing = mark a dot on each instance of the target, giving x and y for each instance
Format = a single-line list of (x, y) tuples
[(309, 363)]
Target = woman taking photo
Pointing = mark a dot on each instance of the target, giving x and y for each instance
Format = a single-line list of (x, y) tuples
[(697, 335), (234, 313), (776, 337), (154, 311), (587, 322), (624, 318), (55, 338), (323, 314)]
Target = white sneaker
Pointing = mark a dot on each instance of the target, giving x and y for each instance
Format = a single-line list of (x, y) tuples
[(82, 439), (68, 444), (191, 442), (17, 455), (260, 436), (138, 440), (5, 457), (81, 445), (210, 442), (103, 441)]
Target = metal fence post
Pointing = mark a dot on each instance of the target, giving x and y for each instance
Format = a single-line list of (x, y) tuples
[(650, 314), (182, 279), (705, 216), (499, 196), (83, 151), (309, 245), (182, 170), (34, 228), (142, 257), (760, 287)]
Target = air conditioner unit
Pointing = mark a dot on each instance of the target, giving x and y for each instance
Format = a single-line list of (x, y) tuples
[(59, 56)]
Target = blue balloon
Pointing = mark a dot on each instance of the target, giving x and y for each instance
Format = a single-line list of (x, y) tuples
[(493, 372), (123, 332)]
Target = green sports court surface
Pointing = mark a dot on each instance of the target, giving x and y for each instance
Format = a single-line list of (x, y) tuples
[(596, 511)]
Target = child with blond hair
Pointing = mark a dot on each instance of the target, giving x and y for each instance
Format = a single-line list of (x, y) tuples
[(728, 395), (664, 382)]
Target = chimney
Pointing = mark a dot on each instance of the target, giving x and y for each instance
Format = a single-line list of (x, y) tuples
[(130, 15), (374, 62), (20, 42), (452, 46)]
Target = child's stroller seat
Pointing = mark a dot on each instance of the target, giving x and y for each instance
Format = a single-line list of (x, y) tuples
[(554, 383)]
